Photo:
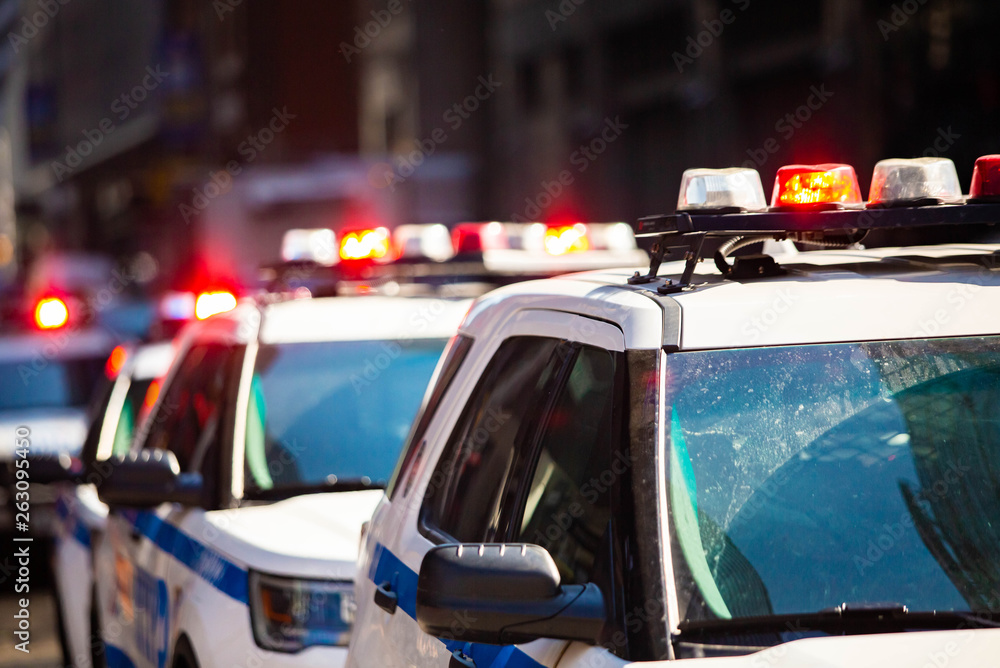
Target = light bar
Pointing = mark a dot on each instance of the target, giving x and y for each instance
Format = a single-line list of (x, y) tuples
[(914, 182), (211, 303), (469, 238), (566, 239), (370, 244), (177, 305), (318, 245), (986, 179), (423, 241), (51, 313), (712, 189), (822, 186)]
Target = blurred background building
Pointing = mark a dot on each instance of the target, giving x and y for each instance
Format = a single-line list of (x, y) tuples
[(133, 127)]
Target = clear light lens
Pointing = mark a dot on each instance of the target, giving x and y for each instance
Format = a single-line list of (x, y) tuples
[(809, 185), (566, 239), (290, 614), (423, 241), (51, 313), (177, 306), (210, 303), (897, 179), (721, 188), (365, 244), (986, 178), (317, 245)]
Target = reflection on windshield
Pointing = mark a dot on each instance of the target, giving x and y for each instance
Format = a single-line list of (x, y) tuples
[(805, 477), (336, 410)]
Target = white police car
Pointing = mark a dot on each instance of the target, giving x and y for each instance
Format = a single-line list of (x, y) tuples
[(131, 371), (235, 521), (785, 461)]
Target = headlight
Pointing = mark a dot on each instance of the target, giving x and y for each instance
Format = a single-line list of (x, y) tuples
[(290, 614)]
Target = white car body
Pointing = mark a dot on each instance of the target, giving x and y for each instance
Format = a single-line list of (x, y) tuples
[(827, 297), (175, 576), (82, 515)]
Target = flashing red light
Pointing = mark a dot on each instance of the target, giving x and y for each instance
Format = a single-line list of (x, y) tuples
[(365, 244), (805, 186), (986, 179), (115, 362), (51, 313), (210, 303), (566, 239), (469, 238)]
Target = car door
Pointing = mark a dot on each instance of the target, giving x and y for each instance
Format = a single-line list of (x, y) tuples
[(492, 474), (192, 420)]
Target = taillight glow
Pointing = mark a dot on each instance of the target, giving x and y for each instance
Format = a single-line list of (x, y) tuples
[(116, 360), (986, 178), (566, 239), (152, 394), (51, 313), (211, 303), (808, 185), (365, 244)]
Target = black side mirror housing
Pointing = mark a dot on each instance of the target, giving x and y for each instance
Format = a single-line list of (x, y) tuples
[(148, 478), (51, 467), (502, 594)]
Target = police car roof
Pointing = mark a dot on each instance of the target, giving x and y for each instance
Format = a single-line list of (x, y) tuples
[(152, 360), (826, 296), (364, 318)]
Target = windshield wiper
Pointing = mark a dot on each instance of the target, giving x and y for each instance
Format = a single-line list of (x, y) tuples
[(338, 485), (846, 619)]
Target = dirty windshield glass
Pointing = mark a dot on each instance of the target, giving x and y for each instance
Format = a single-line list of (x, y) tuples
[(333, 411), (809, 476)]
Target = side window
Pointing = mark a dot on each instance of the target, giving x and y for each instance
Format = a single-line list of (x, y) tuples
[(463, 499), (188, 421), (567, 504), (457, 350)]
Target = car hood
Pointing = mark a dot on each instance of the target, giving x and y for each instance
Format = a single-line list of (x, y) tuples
[(52, 430), (313, 535), (962, 648)]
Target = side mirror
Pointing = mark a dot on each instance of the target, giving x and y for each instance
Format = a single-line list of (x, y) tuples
[(148, 478), (503, 594), (50, 467)]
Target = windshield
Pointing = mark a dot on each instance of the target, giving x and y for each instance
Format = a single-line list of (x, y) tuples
[(55, 383), (805, 477), (333, 411)]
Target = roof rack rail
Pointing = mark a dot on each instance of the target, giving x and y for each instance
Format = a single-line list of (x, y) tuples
[(687, 230)]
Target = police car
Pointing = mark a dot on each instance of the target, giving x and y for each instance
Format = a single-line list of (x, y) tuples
[(781, 459), (235, 520), (236, 517), (132, 373)]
